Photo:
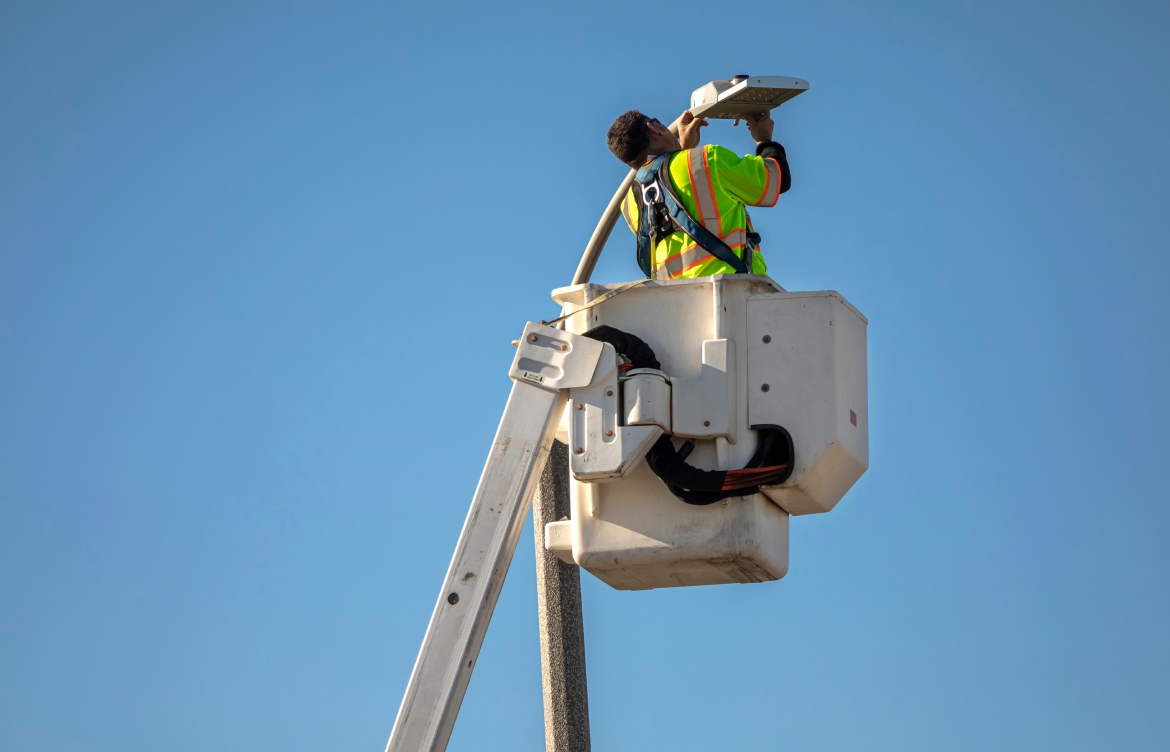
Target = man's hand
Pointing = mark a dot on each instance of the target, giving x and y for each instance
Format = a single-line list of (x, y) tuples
[(760, 126), (688, 129)]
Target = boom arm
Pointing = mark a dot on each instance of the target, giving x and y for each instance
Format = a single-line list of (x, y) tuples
[(548, 363)]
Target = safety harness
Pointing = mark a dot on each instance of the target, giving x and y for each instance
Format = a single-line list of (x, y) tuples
[(660, 213)]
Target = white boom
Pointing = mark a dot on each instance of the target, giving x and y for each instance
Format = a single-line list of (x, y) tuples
[(548, 363)]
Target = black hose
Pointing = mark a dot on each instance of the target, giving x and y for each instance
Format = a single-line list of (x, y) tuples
[(638, 352), (771, 463)]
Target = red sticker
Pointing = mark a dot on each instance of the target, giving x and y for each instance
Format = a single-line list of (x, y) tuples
[(853, 417)]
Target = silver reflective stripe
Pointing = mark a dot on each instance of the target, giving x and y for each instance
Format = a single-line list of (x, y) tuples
[(703, 188), (680, 262), (694, 254), (735, 238), (772, 186)]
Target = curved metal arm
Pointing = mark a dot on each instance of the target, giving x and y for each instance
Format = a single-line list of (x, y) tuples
[(605, 225)]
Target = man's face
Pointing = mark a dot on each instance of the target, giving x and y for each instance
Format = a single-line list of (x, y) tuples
[(661, 139)]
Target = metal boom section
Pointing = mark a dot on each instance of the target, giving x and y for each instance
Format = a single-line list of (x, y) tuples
[(548, 362)]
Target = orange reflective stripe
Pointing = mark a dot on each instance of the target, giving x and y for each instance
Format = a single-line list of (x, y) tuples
[(700, 174), (771, 184), (694, 254)]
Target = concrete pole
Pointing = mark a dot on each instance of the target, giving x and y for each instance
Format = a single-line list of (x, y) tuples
[(562, 631), (558, 585)]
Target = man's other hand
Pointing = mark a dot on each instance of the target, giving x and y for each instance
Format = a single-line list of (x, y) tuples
[(688, 129), (760, 126)]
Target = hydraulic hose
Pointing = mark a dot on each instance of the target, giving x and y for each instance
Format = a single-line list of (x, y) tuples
[(771, 464)]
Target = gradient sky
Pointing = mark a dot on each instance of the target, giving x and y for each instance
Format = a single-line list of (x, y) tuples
[(260, 264)]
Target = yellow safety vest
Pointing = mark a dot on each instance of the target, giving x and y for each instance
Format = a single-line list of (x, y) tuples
[(714, 185)]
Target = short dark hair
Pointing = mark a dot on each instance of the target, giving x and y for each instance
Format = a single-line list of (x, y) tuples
[(628, 137)]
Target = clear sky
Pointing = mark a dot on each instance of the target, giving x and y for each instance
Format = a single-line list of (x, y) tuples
[(260, 264)]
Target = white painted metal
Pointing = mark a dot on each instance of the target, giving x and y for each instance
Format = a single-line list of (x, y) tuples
[(719, 331), (555, 359), (634, 535), (600, 447), (548, 363), (558, 539), (814, 364), (646, 398), (632, 532), (704, 408)]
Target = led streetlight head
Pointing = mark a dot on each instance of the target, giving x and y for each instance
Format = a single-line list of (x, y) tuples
[(744, 95)]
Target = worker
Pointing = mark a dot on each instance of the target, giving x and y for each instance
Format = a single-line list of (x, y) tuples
[(697, 224)]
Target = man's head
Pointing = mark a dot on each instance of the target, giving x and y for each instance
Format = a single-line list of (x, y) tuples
[(633, 137)]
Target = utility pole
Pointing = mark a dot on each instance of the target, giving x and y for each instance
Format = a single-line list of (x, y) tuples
[(562, 630), (558, 585)]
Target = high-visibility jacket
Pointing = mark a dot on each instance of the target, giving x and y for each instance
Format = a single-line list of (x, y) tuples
[(714, 185)]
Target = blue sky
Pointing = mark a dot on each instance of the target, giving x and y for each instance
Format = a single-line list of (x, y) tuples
[(260, 264)]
